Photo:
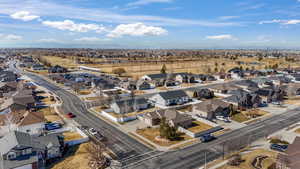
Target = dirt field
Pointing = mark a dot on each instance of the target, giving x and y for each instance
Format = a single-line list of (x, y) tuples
[(137, 70)]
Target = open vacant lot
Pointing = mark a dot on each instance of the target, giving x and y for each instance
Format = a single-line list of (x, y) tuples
[(193, 65)]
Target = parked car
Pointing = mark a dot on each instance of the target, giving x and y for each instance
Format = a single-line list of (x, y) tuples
[(71, 115), (263, 104), (99, 136), (93, 132), (278, 147), (53, 126), (276, 103), (207, 138), (222, 118)]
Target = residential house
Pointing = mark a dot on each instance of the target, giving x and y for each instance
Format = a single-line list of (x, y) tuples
[(38, 67), (54, 144), (32, 123), (169, 98), (57, 69), (21, 120), (23, 151), (236, 73), (224, 88), (243, 99), (8, 87), (130, 105), (210, 109), (292, 89), (17, 103), (7, 76), (201, 93), (20, 151), (155, 77), (295, 77), (276, 95), (173, 117), (143, 85), (263, 82), (129, 85), (279, 80), (246, 84), (185, 77)]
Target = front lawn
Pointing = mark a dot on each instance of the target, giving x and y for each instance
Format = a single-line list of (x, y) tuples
[(239, 117), (152, 133), (68, 136), (198, 127)]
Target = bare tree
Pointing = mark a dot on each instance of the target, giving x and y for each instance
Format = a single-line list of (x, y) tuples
[(97, 158)]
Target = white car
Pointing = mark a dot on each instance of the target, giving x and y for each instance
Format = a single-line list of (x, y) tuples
[(223, 119), (92, 131)]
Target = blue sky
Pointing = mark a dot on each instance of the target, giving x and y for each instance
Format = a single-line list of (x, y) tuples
[(150, 23)]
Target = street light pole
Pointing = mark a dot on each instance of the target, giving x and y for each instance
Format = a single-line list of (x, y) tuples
[(205, 159)]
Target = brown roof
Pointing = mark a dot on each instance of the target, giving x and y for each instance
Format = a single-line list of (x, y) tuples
[(225, 86), (23, 100), (32, 118), (10, 84), (211, 105), (169, 114), (14, 116), (175, 117)]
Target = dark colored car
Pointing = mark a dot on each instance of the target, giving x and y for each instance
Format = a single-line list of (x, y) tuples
[(207, 138), (278, 147), (71, 115), (53, 126)]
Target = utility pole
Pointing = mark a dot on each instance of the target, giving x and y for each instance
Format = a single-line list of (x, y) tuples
[(223, 154), (205, 159)]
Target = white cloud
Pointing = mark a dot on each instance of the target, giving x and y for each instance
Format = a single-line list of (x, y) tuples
[(91, 39), (52, 9), (24, 16), (146, 2), (283, 22), (136, 29), (271, 21), (11, 37), (292, 22), (72, 26), (228, 17), (221, 37)]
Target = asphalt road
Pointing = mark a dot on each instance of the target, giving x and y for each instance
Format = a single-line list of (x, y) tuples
[(194, 156), (120, 143), (136, 155)]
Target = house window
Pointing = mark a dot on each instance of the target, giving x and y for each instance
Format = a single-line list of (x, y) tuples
[(29, 151), (11, 155)]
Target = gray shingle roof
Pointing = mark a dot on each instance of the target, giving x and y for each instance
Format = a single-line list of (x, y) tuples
[(173, 94), (131, 102), (13, 139)]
